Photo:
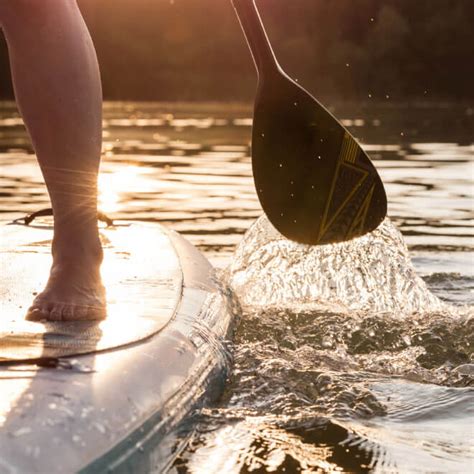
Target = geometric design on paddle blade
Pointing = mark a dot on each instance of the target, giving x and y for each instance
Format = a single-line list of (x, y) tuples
[(358, 224), (349, 149), (347, 181)]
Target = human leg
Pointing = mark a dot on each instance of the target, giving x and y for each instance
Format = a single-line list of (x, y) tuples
[(57, 87)]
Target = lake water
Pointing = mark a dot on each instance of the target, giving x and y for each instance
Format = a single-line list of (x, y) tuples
[(357, 357)]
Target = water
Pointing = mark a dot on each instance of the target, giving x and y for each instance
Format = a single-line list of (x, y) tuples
[(354, 357)]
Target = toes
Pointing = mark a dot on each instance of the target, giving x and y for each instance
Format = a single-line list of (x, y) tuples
[(57, 313), (68, 313), (86, 313), (39, 311), (42, 309), (80, 313), (75, 312), (36, 314)]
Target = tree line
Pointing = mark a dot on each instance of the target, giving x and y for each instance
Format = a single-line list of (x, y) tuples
[(338, 49)]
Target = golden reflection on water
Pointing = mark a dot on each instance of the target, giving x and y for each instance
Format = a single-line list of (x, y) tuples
[(194, 174), (112, 186), (254, 445), (188, 165)]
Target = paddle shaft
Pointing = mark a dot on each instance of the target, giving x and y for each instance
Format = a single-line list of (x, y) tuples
[(256, 36)]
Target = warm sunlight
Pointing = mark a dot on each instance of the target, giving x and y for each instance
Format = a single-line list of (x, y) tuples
[(114, 185), (236, 236)]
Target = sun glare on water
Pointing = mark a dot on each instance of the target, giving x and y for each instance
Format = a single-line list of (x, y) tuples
[(115, 186)]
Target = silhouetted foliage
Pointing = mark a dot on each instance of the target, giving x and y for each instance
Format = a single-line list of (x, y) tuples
[(347, 49)]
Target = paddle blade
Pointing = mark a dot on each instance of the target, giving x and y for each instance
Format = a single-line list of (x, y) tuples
[(314, 182)]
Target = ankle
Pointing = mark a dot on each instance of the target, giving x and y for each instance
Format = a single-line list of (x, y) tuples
[(83, 248)]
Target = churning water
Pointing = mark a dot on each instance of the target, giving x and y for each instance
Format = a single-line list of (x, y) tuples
[(352, 357), (344, 361)]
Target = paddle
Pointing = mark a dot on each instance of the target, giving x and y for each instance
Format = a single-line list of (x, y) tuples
[(314, 182)]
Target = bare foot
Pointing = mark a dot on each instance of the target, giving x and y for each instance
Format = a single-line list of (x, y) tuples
[(74, 292)]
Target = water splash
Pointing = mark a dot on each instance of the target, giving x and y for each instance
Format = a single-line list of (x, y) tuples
[(370, 273), (338, 344), (357, 306)]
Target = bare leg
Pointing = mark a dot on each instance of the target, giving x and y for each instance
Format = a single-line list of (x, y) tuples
[(57, 87)]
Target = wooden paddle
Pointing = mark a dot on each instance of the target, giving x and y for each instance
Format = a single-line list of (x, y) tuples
[(314, 182)]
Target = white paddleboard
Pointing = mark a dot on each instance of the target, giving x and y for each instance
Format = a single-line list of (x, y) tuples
[(108, 396)]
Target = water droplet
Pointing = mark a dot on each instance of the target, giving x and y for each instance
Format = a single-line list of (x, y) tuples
[(263, 134), (372, 19), (370, 96), (402, 134), (319, 157), (327, 343), (21, 431), (281, 214), (312, 187), (296, 104), (294, 221), (387, 96), (347, 64), (281, 165), (100, 428)]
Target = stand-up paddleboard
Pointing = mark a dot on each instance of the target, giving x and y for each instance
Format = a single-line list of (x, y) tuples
[(108, 396)]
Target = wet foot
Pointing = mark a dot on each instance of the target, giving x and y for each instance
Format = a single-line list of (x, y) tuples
[(74, 292)]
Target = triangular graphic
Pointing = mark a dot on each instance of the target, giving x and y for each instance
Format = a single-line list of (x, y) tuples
[(348, 179), (358, 224)]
